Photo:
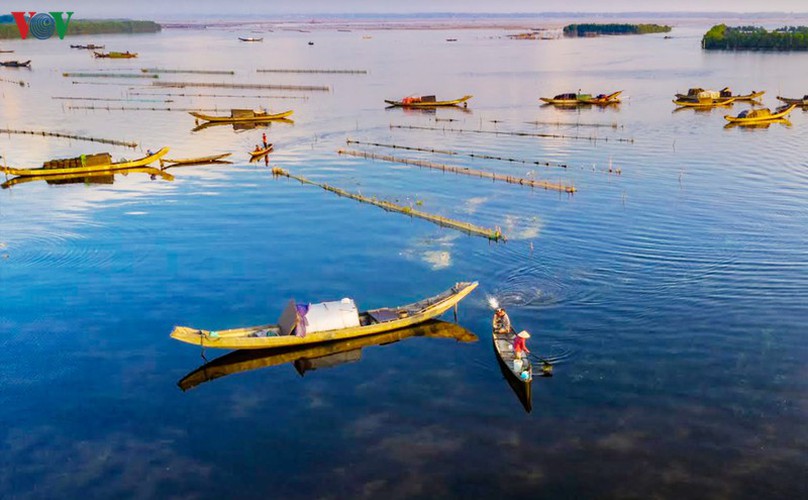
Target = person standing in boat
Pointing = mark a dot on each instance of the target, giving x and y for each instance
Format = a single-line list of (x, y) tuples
[(520, 349), (264, 139), (501, 323)]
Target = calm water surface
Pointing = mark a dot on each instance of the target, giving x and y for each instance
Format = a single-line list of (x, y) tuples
[(674, 295)]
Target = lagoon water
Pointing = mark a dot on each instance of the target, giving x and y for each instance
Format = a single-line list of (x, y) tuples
[(673, 296)]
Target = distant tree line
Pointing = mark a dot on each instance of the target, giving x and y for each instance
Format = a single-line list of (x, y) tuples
[(613, 29), (95, 27), (723, 37)]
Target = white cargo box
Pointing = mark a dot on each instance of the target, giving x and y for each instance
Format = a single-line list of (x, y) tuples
[(709, 94), (332, 316)]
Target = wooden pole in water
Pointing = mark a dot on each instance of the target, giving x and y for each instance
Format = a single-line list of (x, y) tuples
[(496, 132), (69, 136), (456, 153), (461, 170), (491, 234)]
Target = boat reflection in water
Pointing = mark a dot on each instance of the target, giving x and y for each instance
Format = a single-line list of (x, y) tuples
[(97, 177), (327, 355), (243, 125)]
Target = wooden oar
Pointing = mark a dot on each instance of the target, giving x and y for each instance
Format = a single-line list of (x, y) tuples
[(546, 363)]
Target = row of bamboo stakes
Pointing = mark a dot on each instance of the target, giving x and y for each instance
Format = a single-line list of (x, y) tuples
[(107, 99), (461, 170), (182, 94), (140, 108), (69, 136), (578, 124), (329, 71), (188, 71), (520, 134), (21, 83), (262, 86), (456, 153), (491, 234), (108, 75)]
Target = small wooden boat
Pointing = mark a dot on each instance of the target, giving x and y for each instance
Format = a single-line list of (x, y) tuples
[(167, 163), (258, 153), (760, 115), (518, 372), (703, 102), (308, 358), (84, 165), (798, 102), (299, 325), (242, 115), (6, 51), (577, 99), (116, 55), (97, 177), (720, 94), (427, 101), (250, 39), (16, 64)]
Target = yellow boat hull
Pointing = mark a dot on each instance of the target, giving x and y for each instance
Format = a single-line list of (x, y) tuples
[(704, 104), (241, 338), (433, 104), (230, 119), (142, 162), (762, 119)]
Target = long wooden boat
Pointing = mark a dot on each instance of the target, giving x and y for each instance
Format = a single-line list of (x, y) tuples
[(518, 373), (250, 39), (798, 102), (255, 117), (577, 99), (16, 64), (167, 163), (140, 162), (85, 178), (760, 115), (283, 334), (721, 94), (116, 55), (703, 103), (87, 47), (261, 152), (427, 102), (306, 358)]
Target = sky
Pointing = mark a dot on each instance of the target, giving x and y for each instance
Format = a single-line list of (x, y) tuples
[(157, 9)]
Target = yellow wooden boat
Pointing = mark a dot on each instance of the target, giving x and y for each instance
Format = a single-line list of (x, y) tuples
[(427, 101), (703, 102), (760, 115), (116, 55), (724, 93), (202, 160), (85, 177), (290, 330), (42, 171), (306, 358), (258, 153), (797, 101), (242, 115), (577, 99)]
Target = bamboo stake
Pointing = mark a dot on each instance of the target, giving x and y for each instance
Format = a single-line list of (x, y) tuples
[(461, 170), (491, 234), (455, 153), (240, 86), (189, 71), (496, 132), (330, 71), (108, 75), (69, 136)]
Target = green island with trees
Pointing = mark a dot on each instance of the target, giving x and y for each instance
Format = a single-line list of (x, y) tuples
[(9, 30), (723, 37), (613, 29)]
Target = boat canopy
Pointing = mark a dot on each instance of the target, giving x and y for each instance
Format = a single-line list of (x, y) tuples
[(565, 97), (301, 319), (709, 94)]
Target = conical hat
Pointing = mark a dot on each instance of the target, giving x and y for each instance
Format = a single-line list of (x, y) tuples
[(524, 334)]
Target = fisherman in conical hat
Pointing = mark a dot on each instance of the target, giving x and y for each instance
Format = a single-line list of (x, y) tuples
[(520, 349)]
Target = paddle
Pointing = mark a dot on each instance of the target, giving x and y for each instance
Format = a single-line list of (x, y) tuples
[(548, 367)]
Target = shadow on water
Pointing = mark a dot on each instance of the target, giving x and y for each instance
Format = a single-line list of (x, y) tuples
[(328, 355), (102, 177), (242, 126)]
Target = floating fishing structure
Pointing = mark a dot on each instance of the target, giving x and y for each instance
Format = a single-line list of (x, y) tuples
[(21, 83), (241, 96), (188, 71), (107, 99), (140, 108), (578, 124), (69, 136), (108, 75), (520, 134), (461, 170), (491, 234), (329, 71), (128, 84), (181, 85), (456, 153)]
